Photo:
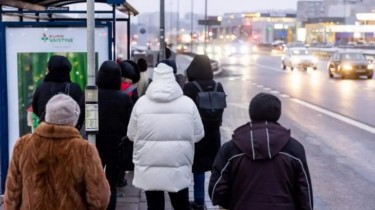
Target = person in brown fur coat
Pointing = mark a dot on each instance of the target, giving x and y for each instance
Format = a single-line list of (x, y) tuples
[(54, 168)]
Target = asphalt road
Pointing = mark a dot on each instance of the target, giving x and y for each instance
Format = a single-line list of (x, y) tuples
[(334, 119)]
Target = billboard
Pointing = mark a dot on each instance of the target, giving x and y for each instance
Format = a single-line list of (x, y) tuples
[(27, 52)]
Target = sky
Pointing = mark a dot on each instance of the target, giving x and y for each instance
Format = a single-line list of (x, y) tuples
[(215, 7)]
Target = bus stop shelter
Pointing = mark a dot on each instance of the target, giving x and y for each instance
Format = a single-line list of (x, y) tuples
[(33, 30)]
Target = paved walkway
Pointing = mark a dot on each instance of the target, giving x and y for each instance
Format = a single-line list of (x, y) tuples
[(131, 198)]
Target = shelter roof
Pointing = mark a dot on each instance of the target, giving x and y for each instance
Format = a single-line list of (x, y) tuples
[(41, 5)]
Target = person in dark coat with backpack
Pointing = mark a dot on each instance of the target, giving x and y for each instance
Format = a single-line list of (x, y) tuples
[(57, 81), (115, 108), (200, 71), (262, 167)]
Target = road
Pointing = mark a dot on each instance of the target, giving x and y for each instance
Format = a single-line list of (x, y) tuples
[(334, 119)]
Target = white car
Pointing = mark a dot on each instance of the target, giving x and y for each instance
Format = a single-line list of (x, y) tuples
[(298, 58)]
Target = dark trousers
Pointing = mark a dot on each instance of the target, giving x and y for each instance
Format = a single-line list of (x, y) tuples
[(179, 200), (199, 188), (112, 173)]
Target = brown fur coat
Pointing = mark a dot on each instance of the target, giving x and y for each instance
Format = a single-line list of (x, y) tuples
[(55, 169)]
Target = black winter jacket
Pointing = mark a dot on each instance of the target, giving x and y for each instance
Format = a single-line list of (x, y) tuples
[(262, 168), (47, 89), (115, 107)]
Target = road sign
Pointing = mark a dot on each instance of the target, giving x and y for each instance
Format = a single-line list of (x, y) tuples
[(209, 22)]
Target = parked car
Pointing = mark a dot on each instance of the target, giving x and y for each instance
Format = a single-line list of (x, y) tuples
[(346, 64), (298, 57)]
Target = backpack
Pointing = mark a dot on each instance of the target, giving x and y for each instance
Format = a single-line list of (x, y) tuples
[(211, 105)]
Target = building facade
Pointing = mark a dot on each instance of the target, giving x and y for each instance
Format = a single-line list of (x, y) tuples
[(307, 9)]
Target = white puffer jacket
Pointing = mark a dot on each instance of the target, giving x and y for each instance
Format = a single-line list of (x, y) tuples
[(164, 126)]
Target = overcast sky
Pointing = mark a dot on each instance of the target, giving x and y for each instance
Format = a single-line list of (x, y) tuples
[(215, 7)]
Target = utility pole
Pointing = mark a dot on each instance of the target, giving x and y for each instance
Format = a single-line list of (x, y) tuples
[(192, 25), (205, 27), (178, 22), (162, 30)]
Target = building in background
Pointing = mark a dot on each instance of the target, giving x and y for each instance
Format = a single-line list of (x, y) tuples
[(307, 9), (348, 8), (257, 27)]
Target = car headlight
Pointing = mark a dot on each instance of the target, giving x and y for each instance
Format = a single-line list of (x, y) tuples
[(347, 67), (255, 49), (233, 50), (315, 60), (244, 49), (370, 66)]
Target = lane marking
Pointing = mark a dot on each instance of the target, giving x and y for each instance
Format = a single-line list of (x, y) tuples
[(336, 116), (311, 106), (275, 92), (270, 68)]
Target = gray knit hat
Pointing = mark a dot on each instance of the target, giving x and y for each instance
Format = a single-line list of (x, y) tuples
[(61, 109)]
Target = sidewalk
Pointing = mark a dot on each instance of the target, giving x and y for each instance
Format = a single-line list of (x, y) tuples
[(131, 198)]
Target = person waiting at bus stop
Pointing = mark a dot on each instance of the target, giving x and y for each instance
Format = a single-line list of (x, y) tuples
[(164, 126), (262, 167), (54, 168), (114, 112), (57, 80)]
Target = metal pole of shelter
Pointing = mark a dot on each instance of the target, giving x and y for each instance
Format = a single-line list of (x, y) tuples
[(162, 30), (90, 62), (114, 31), (128, 36)]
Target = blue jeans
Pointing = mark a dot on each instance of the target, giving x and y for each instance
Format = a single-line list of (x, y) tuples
[(199, 188)]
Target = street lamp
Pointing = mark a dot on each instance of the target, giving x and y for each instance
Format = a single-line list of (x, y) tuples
[(162, 30), (192, 25), (205, 27), (178, 22)]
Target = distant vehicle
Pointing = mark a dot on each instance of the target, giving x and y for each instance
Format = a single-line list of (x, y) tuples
[(278, 47), (239, 47), (298, 57), (346, 64)]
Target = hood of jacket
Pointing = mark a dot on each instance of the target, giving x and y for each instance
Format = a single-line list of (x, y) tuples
[(109, 76), (59, 69), (164, 87), (200, 69), (261, 140)]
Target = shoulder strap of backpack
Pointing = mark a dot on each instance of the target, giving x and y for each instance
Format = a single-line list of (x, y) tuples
[(216, 85), (198, 86), (130, 89), (67, 89)]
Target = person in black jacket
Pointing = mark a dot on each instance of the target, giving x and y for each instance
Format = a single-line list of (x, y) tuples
[(262, 167), (200, 70), (115, 108), (57, 81)]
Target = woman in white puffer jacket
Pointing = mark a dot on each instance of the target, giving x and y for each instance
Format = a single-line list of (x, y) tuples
[(164, 126)]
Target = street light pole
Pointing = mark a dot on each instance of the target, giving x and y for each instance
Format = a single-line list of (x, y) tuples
[(178, 22), (205, 27), (192, 25), (162, 30)]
